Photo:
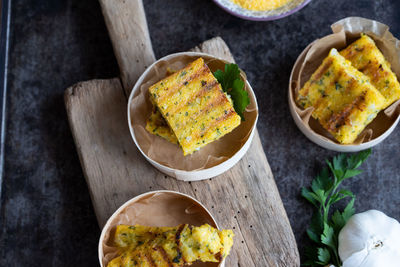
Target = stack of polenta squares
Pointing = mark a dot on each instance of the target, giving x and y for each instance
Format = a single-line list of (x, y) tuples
[(194, 108), (349, 89)]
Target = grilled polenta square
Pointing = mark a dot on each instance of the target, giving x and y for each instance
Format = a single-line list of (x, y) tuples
[(158, 126), (170, 246), (365, 56), (343, 98), (194, 106)]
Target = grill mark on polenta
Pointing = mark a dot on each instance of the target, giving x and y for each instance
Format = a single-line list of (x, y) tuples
[(375, 73), (369, 67), (204, 90), (340, 119), (339, 73), (142, 257), (227, 115), (149, 258), (216, 123), (317, 104), (217, 102), (218, 256), (165, 256), (168, 92), (209, 86), (351, 84), (178, 241)]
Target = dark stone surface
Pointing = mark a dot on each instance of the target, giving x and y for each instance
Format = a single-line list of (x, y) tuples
[(46, 213)]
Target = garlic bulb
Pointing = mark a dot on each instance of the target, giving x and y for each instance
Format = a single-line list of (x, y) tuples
[(370, 239)]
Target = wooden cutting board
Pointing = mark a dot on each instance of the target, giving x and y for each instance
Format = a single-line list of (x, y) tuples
[(245, 198)]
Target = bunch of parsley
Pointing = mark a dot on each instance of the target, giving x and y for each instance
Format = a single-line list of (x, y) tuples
[(324, 228), (232, 84)]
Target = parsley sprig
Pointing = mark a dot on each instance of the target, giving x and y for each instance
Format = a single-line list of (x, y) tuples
[(232, 84), (324, 192)]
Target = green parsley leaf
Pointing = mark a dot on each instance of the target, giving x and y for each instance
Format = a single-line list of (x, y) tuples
[(327, 236), (340, 195), (312, 235), (349, 211), (351, 173), (323, 180), (233, 85), (310, 197), (356, 160), (240, 97), (220, 76), (339, 219), (323, 256), (323, 193), (316, 228)]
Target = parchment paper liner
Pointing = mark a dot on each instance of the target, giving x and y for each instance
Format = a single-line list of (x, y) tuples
[(150, 209), (345, 32), (171, 155)]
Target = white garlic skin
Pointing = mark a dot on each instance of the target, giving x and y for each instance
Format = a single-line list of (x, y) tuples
[(370, 239)]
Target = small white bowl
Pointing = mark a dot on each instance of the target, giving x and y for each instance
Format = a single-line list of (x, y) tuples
[(323, 141), (192, 175), (120, 215), (275, 14), (350, 28)]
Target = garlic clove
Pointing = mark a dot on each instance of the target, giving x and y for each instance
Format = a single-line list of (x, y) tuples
[(355, 259), (352, 242), (370, 239), (381, 257)]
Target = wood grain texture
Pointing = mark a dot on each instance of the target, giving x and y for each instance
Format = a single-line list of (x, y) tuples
[(245, 198), (127, 26)]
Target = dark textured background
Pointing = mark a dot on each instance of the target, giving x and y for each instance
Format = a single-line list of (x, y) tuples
[(46, 213)]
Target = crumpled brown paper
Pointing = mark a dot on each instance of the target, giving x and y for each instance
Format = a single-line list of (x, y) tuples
[(171, 155), (150, 210), (345, 32)]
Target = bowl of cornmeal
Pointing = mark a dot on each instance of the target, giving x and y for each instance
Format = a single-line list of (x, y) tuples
[(261, 10)]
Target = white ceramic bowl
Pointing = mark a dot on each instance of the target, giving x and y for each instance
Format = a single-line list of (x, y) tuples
[(323, 141), (194, 175), (107, 227), (275, 14)]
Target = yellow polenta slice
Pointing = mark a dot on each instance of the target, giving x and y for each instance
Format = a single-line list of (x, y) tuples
[(170, 246), (158, 126), (367, 58), (343, 98), (194, 106)]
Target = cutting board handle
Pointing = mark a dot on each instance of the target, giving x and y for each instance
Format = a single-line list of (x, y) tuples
[(127, 26)]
